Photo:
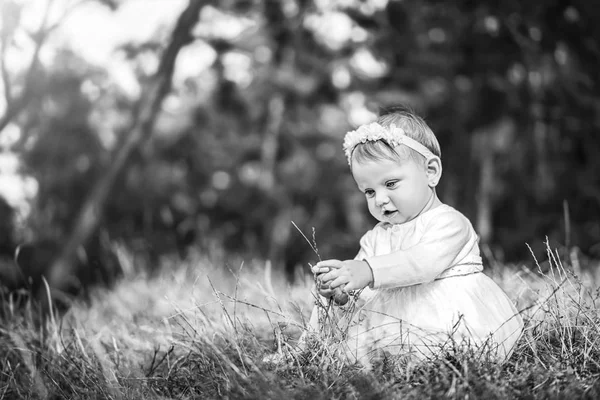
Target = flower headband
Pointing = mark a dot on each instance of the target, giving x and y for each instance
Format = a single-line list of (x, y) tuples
[(373, 132)]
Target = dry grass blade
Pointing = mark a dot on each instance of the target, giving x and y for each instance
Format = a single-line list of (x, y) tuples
[(109, 374), (231, 321), (28, 359), (313, 244)]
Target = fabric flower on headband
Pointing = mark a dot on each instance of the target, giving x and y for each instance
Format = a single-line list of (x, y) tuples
[(394, 136)]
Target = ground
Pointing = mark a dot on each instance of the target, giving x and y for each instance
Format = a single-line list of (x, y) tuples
[(199, 330)]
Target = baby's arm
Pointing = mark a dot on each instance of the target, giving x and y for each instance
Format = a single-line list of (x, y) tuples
[(352, 274), (444, 238)]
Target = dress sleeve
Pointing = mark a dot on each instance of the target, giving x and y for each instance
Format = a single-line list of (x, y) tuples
[(366, 248), (445, 237)]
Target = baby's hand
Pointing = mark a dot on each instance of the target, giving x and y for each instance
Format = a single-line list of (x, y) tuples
[(349, 274), (324, 290)]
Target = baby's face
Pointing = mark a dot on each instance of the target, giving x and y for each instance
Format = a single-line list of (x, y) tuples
[(396, 192)]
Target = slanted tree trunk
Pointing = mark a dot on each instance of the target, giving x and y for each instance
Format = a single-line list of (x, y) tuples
[(150, 104)]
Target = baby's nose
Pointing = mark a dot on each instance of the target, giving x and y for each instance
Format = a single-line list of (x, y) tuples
[(381, 199)]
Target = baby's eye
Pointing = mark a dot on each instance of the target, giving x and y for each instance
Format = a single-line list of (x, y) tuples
[(391, 184), (369, 192)]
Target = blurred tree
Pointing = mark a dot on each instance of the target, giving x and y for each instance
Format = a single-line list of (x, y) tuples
[(459, 64), (62, 152), (248, 139), (89, 216)]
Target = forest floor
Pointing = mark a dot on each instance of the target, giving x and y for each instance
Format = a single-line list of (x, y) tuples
[(198, 330)]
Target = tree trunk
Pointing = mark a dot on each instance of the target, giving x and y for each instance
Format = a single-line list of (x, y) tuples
[(150, 104)]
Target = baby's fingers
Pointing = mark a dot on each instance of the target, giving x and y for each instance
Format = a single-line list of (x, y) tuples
[(323, 267), (328, 264), (338, 281), (319, 270)]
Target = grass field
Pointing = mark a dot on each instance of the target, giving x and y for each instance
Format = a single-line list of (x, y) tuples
[(202, 329)]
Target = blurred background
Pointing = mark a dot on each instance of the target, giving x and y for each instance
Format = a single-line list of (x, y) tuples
[(167, 126)]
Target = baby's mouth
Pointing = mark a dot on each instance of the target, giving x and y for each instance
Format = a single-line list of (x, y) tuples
[(389, 213)]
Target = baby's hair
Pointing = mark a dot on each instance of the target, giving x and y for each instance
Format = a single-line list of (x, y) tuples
[(414, 127)]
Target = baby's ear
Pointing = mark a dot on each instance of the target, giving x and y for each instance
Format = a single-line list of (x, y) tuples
[(433, 168)]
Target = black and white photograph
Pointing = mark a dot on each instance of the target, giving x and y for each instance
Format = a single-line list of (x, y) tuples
[(299, 199)]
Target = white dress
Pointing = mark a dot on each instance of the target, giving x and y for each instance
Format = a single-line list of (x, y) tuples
[(429, 294)]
